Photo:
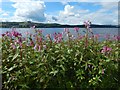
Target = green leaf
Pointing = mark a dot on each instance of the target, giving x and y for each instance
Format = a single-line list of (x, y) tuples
[(54, 72), (108, 60), (10, 69), (62, 67), (15, 56)]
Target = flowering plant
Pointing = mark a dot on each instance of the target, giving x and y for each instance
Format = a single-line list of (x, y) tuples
[(43, 62)]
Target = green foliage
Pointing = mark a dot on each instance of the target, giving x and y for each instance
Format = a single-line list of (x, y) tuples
[(67, 64)]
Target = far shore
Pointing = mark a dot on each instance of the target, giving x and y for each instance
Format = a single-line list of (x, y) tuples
[(49, 25)]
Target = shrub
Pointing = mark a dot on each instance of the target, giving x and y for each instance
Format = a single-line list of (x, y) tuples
[(39, 62)]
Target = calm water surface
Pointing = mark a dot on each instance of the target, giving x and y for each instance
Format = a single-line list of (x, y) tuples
[(101, 31)]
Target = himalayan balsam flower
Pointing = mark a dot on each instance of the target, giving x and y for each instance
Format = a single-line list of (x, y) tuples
[(106, 49), (48, 36), (58, 37), (35, 47), (8, 34), (33, 27), (117, 38), (39, 48), (3, 35), (15, 34), (87, 24), (31, 43), (76, 29)]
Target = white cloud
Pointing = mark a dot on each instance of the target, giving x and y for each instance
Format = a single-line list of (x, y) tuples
[(64, 2), (68, 11), (107, 5), (5, 14), (71, 15), (29, 10), (34, 11)]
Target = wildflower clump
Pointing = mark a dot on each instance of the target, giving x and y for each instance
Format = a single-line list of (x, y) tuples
[(61, 60)]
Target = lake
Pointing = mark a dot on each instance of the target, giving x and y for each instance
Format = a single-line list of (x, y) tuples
[(101, 31)]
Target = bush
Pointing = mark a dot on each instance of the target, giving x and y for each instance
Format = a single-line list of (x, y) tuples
[(39, 62)]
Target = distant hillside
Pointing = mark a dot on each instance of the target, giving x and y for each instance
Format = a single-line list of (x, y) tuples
[(48, 25)]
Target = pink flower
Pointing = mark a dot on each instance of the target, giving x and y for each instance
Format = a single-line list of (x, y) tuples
[(58, 37), (15, 34), (117, 38), (48, 36), (35, 47), (39, 48), (106, 49), (3, 35), (87, 24), (18, 41), (31, 43), (76, 29), (20, 45), (8, 34), (33, 27)]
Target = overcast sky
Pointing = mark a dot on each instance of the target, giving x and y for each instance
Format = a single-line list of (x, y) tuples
[(60, 12)]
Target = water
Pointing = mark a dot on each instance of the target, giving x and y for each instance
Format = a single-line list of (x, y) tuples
[(100, 31)]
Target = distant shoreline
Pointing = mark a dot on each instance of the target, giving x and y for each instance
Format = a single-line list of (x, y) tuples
[(49, 25), (60, 27)]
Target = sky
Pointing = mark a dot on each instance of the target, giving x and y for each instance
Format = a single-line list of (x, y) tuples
[(60, 11)]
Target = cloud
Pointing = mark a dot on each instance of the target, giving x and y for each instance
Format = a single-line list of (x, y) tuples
[(71, 15), (68, 11), (54, 18), (105, 6), (34, 10), (64, 2), (5, 14), (29, 10), (51, 18)]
